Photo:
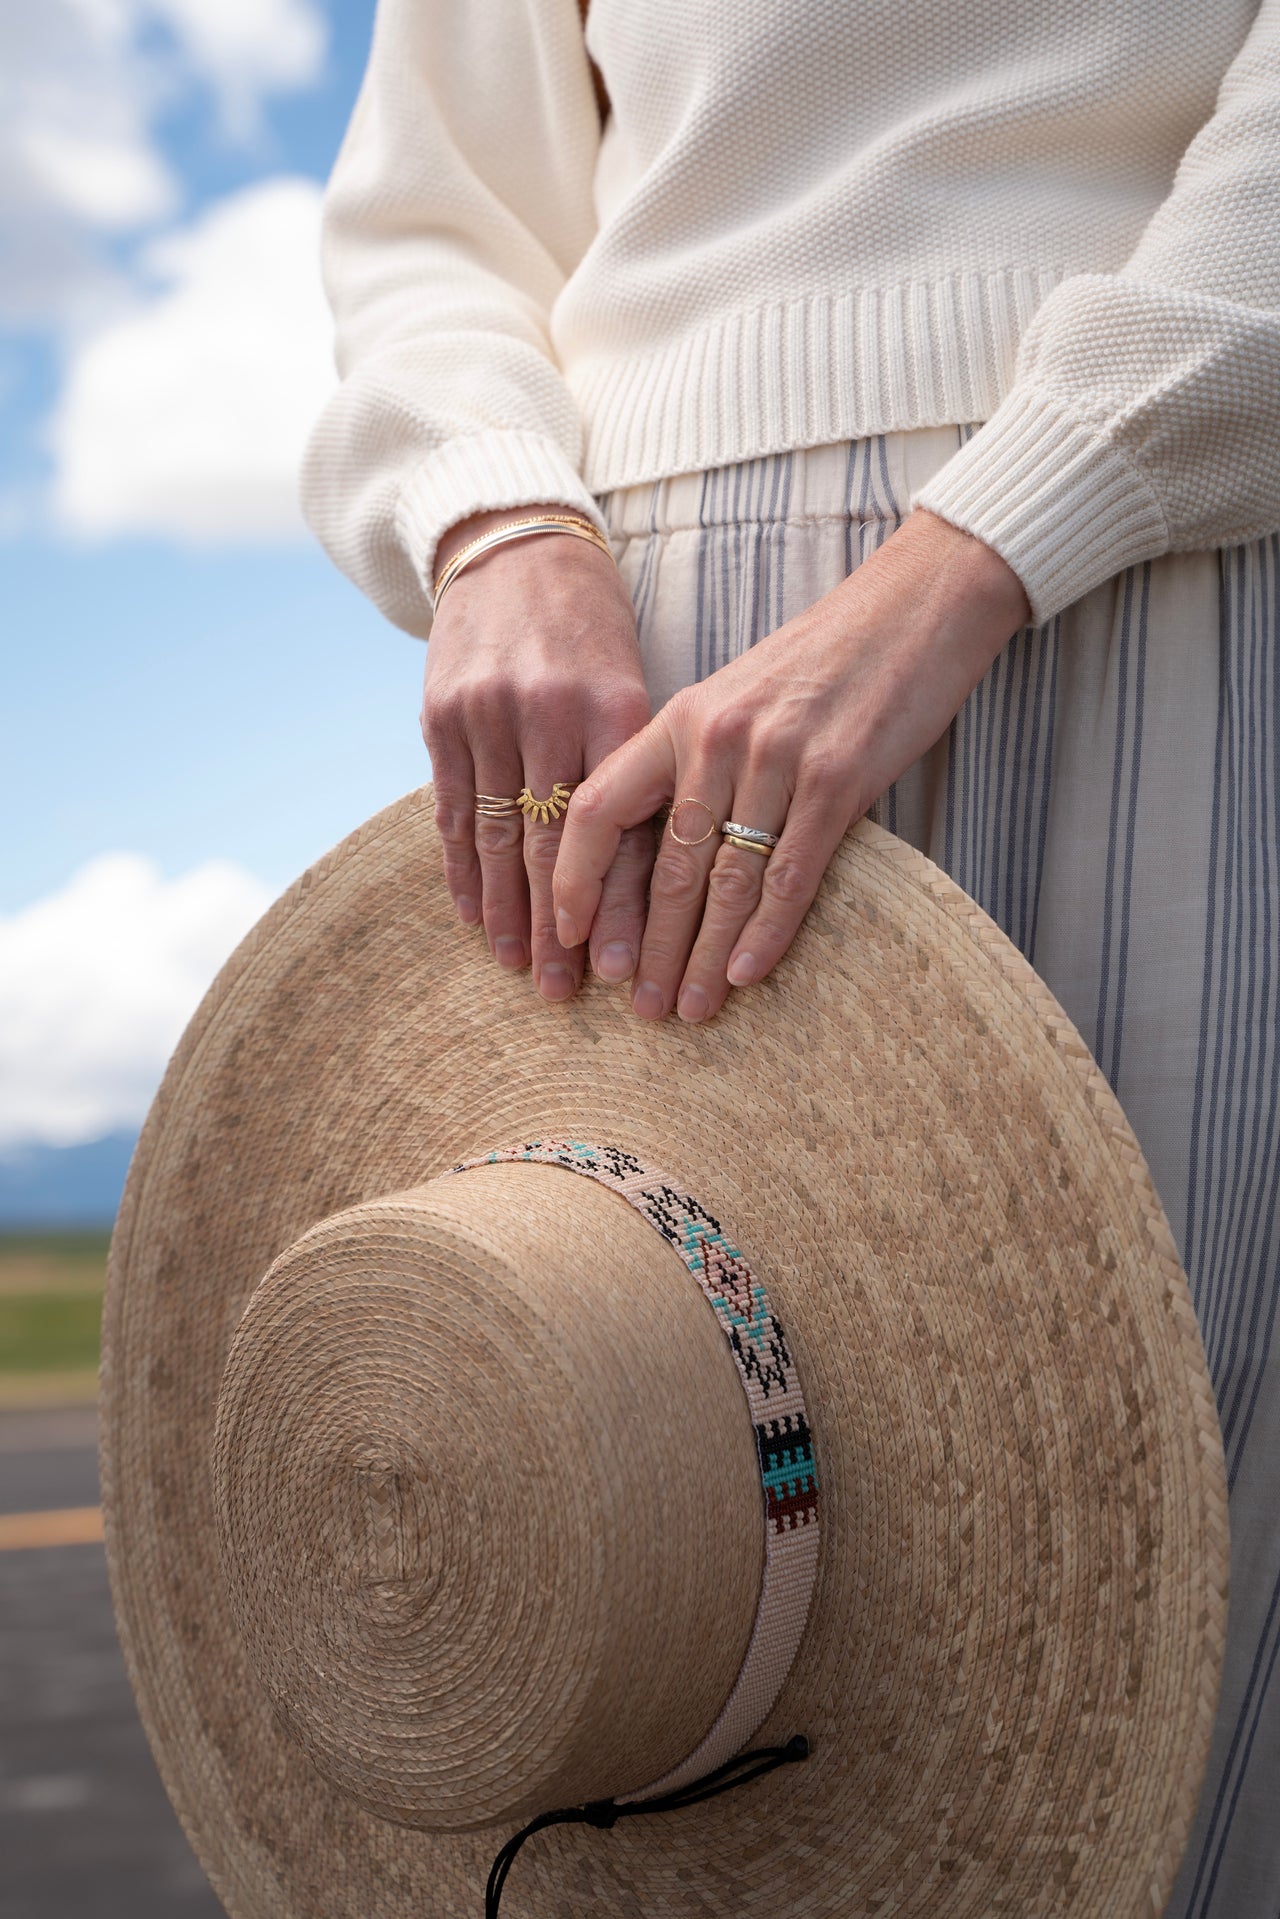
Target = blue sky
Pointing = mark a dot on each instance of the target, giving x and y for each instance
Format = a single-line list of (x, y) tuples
[(196, 704)]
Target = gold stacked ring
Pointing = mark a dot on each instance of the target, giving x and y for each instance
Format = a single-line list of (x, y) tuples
[(552, 807), (752, 839), (493, 806)]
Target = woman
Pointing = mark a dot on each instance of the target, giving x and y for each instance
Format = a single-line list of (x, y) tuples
[(867, 338)]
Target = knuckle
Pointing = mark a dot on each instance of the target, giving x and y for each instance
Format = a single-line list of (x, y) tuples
[(453, 823), (724, 731), (442, 712), (733, 884), (497, 836), (541, 849), (635, 848), (625, 711), (678, 880), (824, 768), (681, 710), (548, 702), (773, 742), (587, 801), (786, 883)]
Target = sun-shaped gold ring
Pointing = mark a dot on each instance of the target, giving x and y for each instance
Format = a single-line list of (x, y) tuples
[(549, 809)]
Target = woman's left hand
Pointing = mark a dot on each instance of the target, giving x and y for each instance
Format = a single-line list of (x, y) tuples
[(797, 736)]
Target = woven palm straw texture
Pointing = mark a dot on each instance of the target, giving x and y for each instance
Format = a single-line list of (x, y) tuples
[(484, 1471)]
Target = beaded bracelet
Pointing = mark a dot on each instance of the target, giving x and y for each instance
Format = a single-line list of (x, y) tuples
[(516, 530)]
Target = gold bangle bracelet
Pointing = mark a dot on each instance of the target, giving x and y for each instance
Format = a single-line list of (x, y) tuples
[(511, 526), (516, 530)]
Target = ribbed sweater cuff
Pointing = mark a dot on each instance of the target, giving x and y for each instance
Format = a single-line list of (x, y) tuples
[(478, 473), (1055, 499)]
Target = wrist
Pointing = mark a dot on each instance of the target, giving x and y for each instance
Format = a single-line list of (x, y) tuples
[(939, 586), (967, 570)]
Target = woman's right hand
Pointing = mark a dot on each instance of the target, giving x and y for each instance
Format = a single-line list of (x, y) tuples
[(533, 676)]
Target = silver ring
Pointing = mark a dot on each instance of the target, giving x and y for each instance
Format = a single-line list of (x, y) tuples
[(755, 833)]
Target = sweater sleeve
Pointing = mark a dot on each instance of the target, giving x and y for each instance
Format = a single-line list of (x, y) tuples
[(460, 201), (1144, 413)]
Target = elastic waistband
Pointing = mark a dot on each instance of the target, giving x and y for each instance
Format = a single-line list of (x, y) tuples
[(871, 479)]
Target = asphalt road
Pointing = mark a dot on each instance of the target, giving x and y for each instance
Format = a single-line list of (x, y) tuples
[(86, 1831)]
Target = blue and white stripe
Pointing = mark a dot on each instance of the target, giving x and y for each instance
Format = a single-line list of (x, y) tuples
[(1110, 793)]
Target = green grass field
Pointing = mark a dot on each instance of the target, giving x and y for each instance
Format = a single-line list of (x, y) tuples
[(50, 1305)]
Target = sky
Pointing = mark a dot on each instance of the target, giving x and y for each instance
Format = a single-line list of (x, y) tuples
[(194, 704)]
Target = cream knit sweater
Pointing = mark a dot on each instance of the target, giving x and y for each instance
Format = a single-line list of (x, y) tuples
[(808, 220)]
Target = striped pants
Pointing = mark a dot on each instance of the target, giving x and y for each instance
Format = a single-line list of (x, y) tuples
[(1110, 794)]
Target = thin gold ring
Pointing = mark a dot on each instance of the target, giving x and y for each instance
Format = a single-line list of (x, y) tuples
[(495, 806), (552, 807), (690, 801)]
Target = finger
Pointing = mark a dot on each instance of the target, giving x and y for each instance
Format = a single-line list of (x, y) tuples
[(734, 889), (625, 790), (452, 776), (557, 970), (500, 851), (815, 825), (618, 925), (677, 892)]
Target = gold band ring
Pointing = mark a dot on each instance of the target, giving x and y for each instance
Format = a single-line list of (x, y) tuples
[(748, 846), (494, 806), (552, 807), (690, 801)]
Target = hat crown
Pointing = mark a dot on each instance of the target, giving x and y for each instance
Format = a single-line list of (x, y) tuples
[(488, 1501)]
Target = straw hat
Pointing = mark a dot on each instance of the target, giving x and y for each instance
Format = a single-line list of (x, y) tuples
[(433, 1499)]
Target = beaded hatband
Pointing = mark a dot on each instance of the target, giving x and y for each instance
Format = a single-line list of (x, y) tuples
[(788, 1477)]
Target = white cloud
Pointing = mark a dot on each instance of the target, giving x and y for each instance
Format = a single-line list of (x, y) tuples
[(187, 415), (246, 48), (106, 180), (97, 982), (83, 87), (72, 85)]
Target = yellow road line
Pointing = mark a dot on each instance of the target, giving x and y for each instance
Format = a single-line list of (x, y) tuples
[(76, 1387), (72, 1526)]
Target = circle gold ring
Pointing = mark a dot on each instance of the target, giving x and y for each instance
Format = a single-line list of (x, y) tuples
[(690, 801)]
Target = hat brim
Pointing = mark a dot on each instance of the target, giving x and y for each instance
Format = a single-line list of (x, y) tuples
[(1011, 1665)]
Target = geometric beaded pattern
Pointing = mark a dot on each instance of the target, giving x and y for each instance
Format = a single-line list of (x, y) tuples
[(784, 1444)]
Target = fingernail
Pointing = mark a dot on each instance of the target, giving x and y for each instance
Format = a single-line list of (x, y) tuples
[(616, 961), (555, 981), (692, 1004), (468, 911), (742, 970), (566, 930), (509, 951), (647, 1000)]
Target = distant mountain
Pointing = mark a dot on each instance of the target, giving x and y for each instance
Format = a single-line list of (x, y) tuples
[(64, 1185)]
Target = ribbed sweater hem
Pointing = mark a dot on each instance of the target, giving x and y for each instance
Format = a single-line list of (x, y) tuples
[(804, 372), (1054, 497)]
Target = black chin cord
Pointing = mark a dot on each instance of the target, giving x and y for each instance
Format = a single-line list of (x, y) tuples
[(607, 1812)]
